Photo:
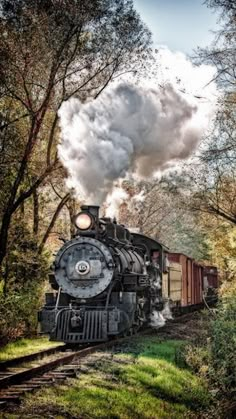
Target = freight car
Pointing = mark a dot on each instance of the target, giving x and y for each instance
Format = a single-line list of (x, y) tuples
[(108, 282), (188, 284)]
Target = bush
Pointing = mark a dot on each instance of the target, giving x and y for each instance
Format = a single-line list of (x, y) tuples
[(18, 314), (216, 359), (21, 293), (197, 358), (222, 346)]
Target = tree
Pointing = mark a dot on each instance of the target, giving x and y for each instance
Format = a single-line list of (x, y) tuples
[(50, 51), (222, 53), (156, 211), (212, 175)]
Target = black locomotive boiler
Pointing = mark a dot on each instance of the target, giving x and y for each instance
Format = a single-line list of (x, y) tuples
[(106, 282)]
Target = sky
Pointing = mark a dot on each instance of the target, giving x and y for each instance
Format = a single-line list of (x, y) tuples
[(181, 25)]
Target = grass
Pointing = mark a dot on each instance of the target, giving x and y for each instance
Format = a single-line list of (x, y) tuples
[(141, 381), (25, 347)]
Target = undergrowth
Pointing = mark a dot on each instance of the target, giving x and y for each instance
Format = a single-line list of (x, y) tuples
[(215, 359), (23, 347)]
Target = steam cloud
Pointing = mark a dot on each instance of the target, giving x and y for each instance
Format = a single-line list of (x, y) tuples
[(128, 129), (158, 318)]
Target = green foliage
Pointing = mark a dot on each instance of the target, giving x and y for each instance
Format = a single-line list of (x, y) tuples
[(222, 347), (22, 285), (22, 347), (228, 288), (18, 313), (216, 360), (24, 266), (197, 358)]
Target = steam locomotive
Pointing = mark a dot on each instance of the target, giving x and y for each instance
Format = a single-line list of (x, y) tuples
[(107, 281)]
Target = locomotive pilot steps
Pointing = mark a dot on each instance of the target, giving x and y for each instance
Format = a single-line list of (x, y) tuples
[(106, 281)]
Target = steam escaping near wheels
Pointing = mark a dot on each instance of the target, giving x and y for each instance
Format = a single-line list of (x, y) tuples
[(167, 311), (159, 318)]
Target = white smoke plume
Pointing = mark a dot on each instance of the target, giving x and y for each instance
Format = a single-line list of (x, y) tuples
[(117, 197), (113, 201), (127, 129), (140, 197), (130, 130)]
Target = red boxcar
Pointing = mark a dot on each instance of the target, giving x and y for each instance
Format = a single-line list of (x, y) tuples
[(192, 279)]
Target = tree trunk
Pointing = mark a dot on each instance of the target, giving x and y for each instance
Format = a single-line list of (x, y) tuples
[(72, 211), (5, 277), (36, 212), (53, 221), (4, 234)]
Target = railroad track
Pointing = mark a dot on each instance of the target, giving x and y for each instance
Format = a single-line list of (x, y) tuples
[(18, 377), (15, 381), (10, 363)]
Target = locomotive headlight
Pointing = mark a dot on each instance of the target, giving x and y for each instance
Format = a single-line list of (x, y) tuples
[(83, 221)]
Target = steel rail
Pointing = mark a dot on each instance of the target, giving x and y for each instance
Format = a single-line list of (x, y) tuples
[(15, 384), (9, 363)]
